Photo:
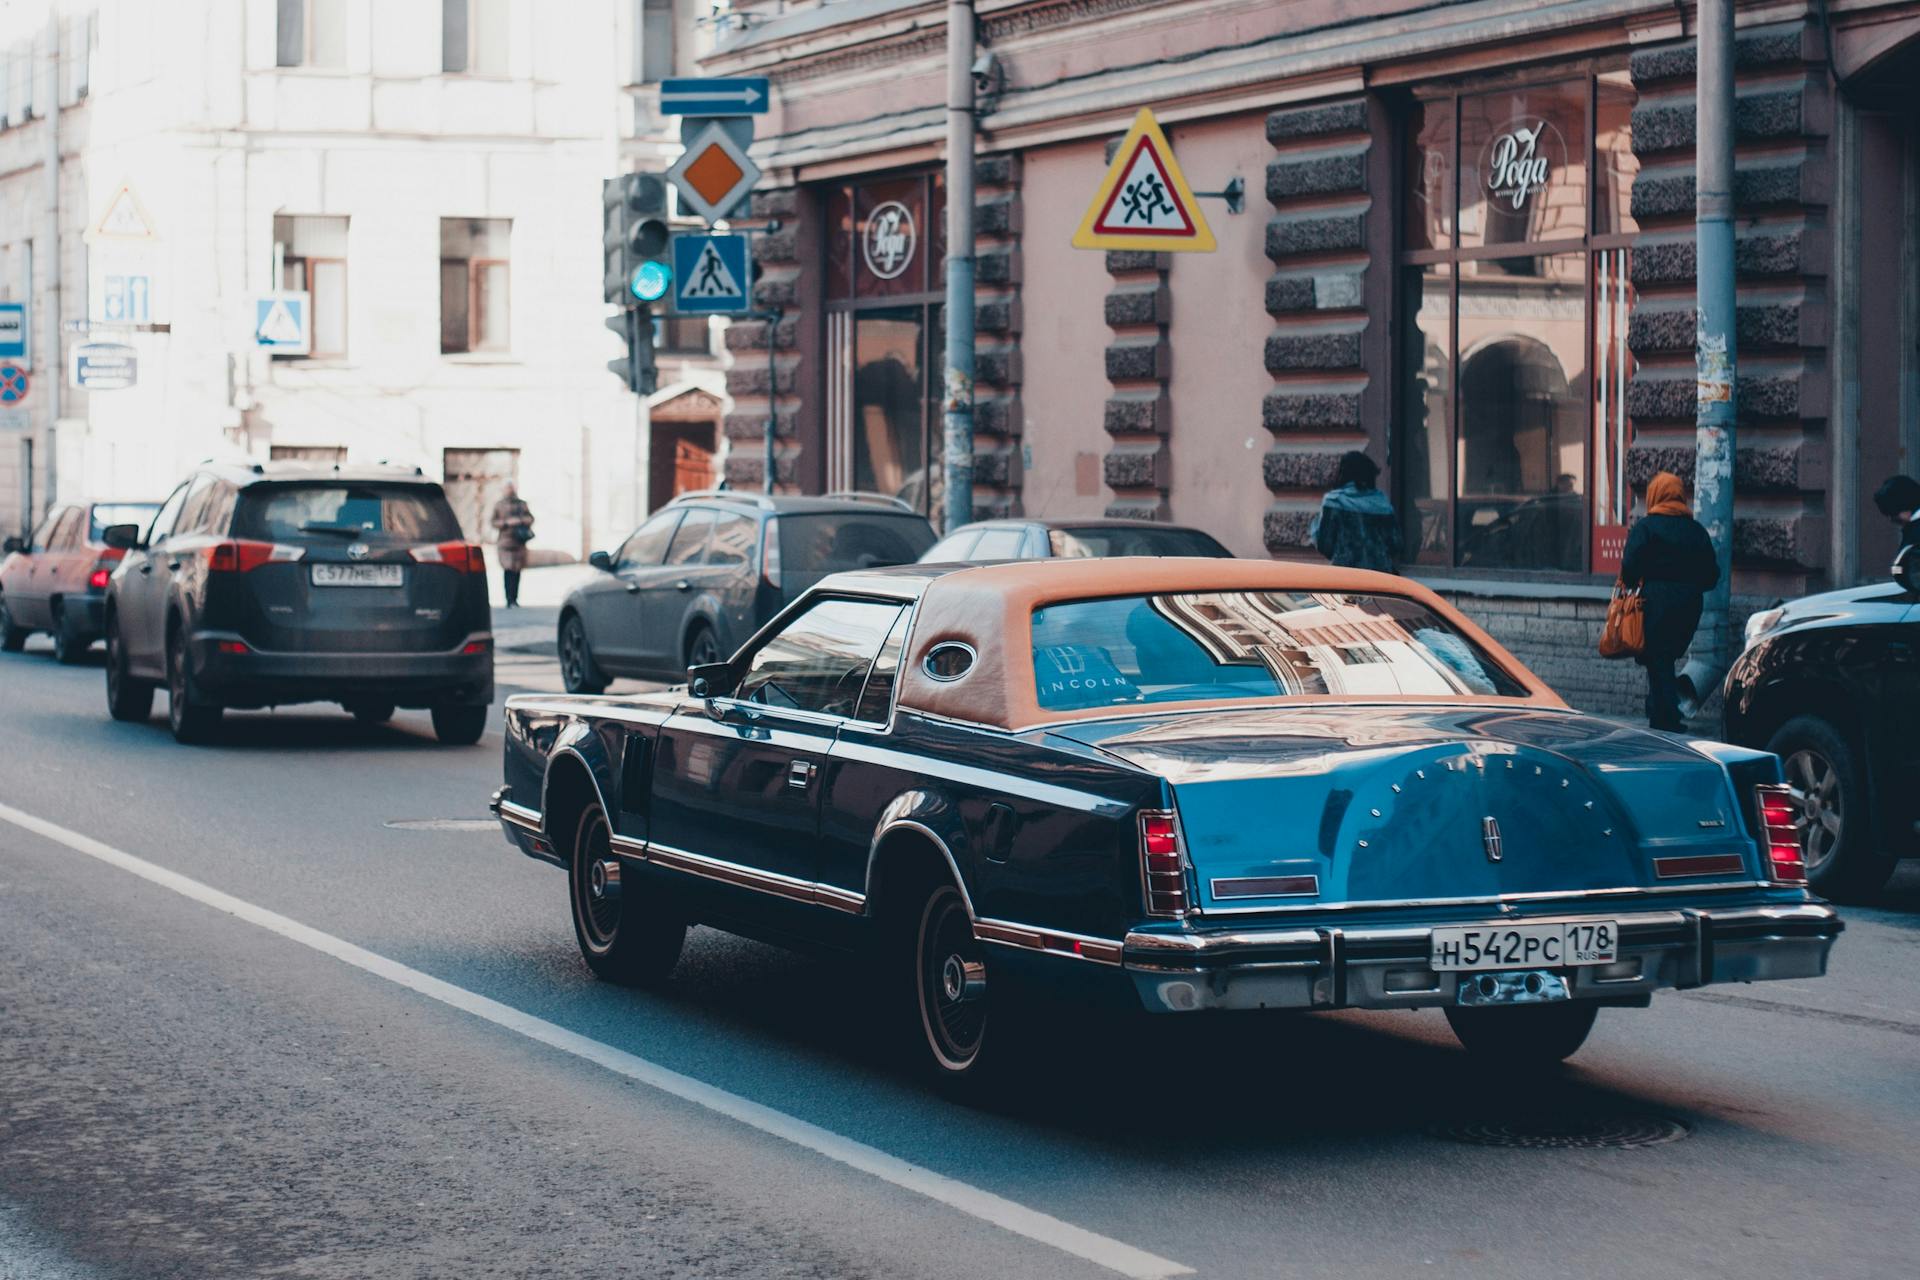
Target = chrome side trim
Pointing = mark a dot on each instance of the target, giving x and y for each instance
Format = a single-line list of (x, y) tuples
[(546, 777), (1303, 886), (1545, 895), (908, 824), (720, 870), (528, 820), (1053, 942)]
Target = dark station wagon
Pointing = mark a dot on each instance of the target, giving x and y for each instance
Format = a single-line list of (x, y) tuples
[(1177, 784)]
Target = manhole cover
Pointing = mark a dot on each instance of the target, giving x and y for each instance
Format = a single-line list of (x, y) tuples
[(443, 824), (1572, 1133)]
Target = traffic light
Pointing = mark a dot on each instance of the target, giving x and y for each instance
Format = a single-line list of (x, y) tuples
[(635, 239), (636, 367)]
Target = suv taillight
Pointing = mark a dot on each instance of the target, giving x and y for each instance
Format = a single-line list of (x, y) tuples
[(465, 557), (770, 553), (1780, 827), (1163, 864), (239, 555)]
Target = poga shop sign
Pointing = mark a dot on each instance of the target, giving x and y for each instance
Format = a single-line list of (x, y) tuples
[(889, 242), (1520, 160)]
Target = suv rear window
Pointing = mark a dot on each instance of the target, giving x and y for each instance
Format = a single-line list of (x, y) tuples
[(1202, 646), (828, 542), (287, 512)]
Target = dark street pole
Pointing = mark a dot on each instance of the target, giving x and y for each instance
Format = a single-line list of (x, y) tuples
[(958, 399)]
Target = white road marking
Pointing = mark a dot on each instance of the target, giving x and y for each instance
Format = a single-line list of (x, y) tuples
[(1039, 1227)]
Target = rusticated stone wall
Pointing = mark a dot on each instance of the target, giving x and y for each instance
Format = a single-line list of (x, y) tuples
[(996, 343), (750, 381), (1330, 351), (1782, 188), (1138, 413)]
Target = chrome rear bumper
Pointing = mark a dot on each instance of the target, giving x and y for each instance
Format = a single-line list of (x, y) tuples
[(1386, 966)]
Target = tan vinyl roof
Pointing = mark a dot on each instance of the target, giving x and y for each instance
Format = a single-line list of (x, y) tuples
[(990, 608)]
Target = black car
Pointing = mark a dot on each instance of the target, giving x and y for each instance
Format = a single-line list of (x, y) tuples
[(56, 579), (262, 585), (702, 574), (1831, 684), (1018, 539)]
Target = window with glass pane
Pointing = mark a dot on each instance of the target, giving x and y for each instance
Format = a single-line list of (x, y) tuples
[(311, 33), (647, 546), (819, 662), (888, 437), (474, 277), (1428, 424), (313, 260), (656, 40), (1430, 175), (473, 36), (1523, 164)]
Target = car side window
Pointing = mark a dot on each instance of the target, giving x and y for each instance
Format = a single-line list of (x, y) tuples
[(1000, 543), (64, 538), (690, 540), (953, 548), (646, 547), (166, 517), (876, 701), (193, 516), (219, 514), (43, 536), (819, 661), (732, 542)]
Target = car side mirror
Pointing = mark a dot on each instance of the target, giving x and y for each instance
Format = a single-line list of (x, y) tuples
[(1906, 569), (124, 536), (602, 561), (711, 680), (11, 545)]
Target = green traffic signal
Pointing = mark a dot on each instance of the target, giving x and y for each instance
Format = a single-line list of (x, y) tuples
[(650, 281)]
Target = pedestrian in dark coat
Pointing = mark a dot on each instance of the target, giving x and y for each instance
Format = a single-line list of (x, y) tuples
[(1670, 558), (1356, 526), (512, 521)]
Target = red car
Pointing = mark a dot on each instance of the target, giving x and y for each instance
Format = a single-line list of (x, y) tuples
[(56, 580)]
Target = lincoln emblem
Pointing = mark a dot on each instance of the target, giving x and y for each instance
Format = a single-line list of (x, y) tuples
[(1490, 836)]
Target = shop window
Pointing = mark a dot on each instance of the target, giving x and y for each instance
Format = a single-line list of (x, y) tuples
[(312, 33), (473, 36), (313, 260), (655, 55), (474, 284), (1512, 439)]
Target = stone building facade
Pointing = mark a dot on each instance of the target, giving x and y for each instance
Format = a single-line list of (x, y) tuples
[(1467, 249)]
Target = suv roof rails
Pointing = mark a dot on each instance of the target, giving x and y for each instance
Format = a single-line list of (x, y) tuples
[(759, 500), (861, 495)]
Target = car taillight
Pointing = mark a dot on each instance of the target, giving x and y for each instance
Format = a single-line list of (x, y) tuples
[(1780, 827), (1163, 869), (770, 554), (97, 580), (242, 556), (465, 557)]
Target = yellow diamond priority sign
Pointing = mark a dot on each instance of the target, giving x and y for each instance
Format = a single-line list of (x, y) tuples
[(1144, 202), (714, 175)]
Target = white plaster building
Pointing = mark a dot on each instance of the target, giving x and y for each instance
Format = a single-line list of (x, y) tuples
[(427, 170)]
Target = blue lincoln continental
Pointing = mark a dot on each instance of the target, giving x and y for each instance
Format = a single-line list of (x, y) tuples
[(1185, 784)]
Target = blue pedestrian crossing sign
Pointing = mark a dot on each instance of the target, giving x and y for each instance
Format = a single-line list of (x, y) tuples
[(715, 96), (283, 324), (710, 274)]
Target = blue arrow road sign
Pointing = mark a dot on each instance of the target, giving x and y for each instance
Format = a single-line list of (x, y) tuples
[(710, 274), (13, 331), (715, 96)]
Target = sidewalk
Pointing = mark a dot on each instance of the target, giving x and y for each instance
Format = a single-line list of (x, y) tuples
[(531, 627)]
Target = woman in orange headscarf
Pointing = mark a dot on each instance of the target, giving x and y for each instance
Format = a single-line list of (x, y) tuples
[(1670, 558)]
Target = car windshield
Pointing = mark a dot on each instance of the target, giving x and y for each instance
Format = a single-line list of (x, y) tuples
[(282, 513), (813, 545), (1204, 646), (106, 514), (1097, 540)]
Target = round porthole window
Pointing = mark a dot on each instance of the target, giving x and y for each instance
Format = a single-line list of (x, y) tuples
[(948, 660)]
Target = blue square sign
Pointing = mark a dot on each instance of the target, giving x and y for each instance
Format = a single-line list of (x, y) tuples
[(282, 324), (710, 274)]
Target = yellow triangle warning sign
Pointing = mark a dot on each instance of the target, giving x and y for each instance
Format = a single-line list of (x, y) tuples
[(1144, 202), (125, 218)]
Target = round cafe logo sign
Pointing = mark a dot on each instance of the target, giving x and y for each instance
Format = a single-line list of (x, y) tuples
[(889, 242), (1520, 159)]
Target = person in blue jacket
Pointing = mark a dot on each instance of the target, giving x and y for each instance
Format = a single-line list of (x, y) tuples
[(1356, 526)]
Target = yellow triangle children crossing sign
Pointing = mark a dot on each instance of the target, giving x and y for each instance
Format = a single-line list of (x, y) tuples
[(1144, 202)]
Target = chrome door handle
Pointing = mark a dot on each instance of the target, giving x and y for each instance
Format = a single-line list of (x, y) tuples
[(683, 585), (633, 588), (173, 564), (147, 567), (800, 774)]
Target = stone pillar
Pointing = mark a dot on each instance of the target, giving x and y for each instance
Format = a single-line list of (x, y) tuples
[(996, 326), (750, 381), (1783, 117), (1331, 362)]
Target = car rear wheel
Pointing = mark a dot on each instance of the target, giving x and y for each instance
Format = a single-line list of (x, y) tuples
[(629, 932), (69, 646), (578, 670), (12, 639), (460, 724), (370, 712), (192, 720), (963, 1033), (702, 646), (1836, 835), (128, 699), (1524, 1036)]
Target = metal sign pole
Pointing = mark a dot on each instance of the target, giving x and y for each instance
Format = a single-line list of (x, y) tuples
[(958, 400)]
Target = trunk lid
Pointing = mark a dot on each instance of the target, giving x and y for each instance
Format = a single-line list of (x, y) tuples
[(1382, 804)]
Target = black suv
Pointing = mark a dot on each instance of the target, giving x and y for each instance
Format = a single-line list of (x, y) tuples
[(267, 584), (708, 569), (1831, 684)]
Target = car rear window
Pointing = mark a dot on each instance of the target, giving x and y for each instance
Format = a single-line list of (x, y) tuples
[(106, 514), (817, 544), (289, 512), (1098, 541), (1203, 646)]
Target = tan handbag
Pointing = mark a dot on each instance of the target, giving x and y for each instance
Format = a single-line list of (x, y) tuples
[(1625, 632)]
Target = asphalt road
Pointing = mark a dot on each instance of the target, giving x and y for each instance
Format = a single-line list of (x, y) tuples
[(249, 1026)]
